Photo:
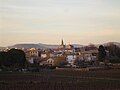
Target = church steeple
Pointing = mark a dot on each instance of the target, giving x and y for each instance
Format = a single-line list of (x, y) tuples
[(62, 43)]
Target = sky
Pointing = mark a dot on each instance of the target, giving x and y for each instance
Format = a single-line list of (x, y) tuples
[(49, 21)]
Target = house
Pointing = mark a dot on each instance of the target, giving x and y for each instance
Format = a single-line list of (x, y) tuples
[(50, 61), (33, 52), (71, 59), (43, 63), (31, 60), (33, 55), (90, 55), (56, 61), (43, 55)]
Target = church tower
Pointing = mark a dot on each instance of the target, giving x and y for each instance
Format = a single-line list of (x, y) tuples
[(62, 43), (62, 46)]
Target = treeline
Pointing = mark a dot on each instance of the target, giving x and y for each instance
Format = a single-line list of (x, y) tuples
[(114, 53), (109, 53), (12, 58)]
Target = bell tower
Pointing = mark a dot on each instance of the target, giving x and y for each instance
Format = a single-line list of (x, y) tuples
[(62, 43), (62, 46)]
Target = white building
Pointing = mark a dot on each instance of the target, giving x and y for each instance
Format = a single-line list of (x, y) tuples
[(43, 55), (71, 59), (89, 55)]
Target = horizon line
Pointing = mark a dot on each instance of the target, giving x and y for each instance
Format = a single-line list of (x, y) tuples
[(57, 44)]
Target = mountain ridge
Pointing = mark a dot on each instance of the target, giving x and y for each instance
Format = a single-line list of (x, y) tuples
[(45, 46)]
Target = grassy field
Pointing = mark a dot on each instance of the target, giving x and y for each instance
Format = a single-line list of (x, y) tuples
[(61, 80)]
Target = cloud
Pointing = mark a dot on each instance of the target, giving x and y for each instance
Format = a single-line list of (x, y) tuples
[(106, 32), (50, 20)]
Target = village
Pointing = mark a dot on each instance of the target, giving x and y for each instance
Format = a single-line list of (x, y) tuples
[(63, 56)]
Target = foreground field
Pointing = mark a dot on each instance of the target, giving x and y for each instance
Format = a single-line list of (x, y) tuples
[(62, 80)]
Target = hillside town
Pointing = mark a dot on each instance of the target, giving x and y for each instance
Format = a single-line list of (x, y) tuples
[(64, 56)]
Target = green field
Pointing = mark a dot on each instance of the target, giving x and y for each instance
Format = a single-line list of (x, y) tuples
[(61, 80)]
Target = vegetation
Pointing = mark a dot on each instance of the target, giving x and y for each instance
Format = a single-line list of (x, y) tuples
[(101, 53), (114, 53), (61, 80), (13, 58)]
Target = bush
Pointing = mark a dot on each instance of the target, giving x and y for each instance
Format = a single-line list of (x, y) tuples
[(114, 59)]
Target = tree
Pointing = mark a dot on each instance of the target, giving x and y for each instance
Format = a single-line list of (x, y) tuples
[(101, 53), (114, 50), (13, 58), (17, 57), (4, 58), (114, 53)]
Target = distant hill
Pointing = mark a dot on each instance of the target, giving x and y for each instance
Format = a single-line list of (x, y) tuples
[(45, 46), (26, 46), (2, 48), (48, 46), (56, 46), (108, 43), (77, 45), (40, 45), (115, 43)]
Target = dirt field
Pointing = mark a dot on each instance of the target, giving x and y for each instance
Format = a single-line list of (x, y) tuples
[(61, 80)]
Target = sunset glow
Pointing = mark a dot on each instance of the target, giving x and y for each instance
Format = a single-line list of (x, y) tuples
[(48, 21)]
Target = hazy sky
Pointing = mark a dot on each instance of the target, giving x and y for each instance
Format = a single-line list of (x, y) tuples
[(48, 21)]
